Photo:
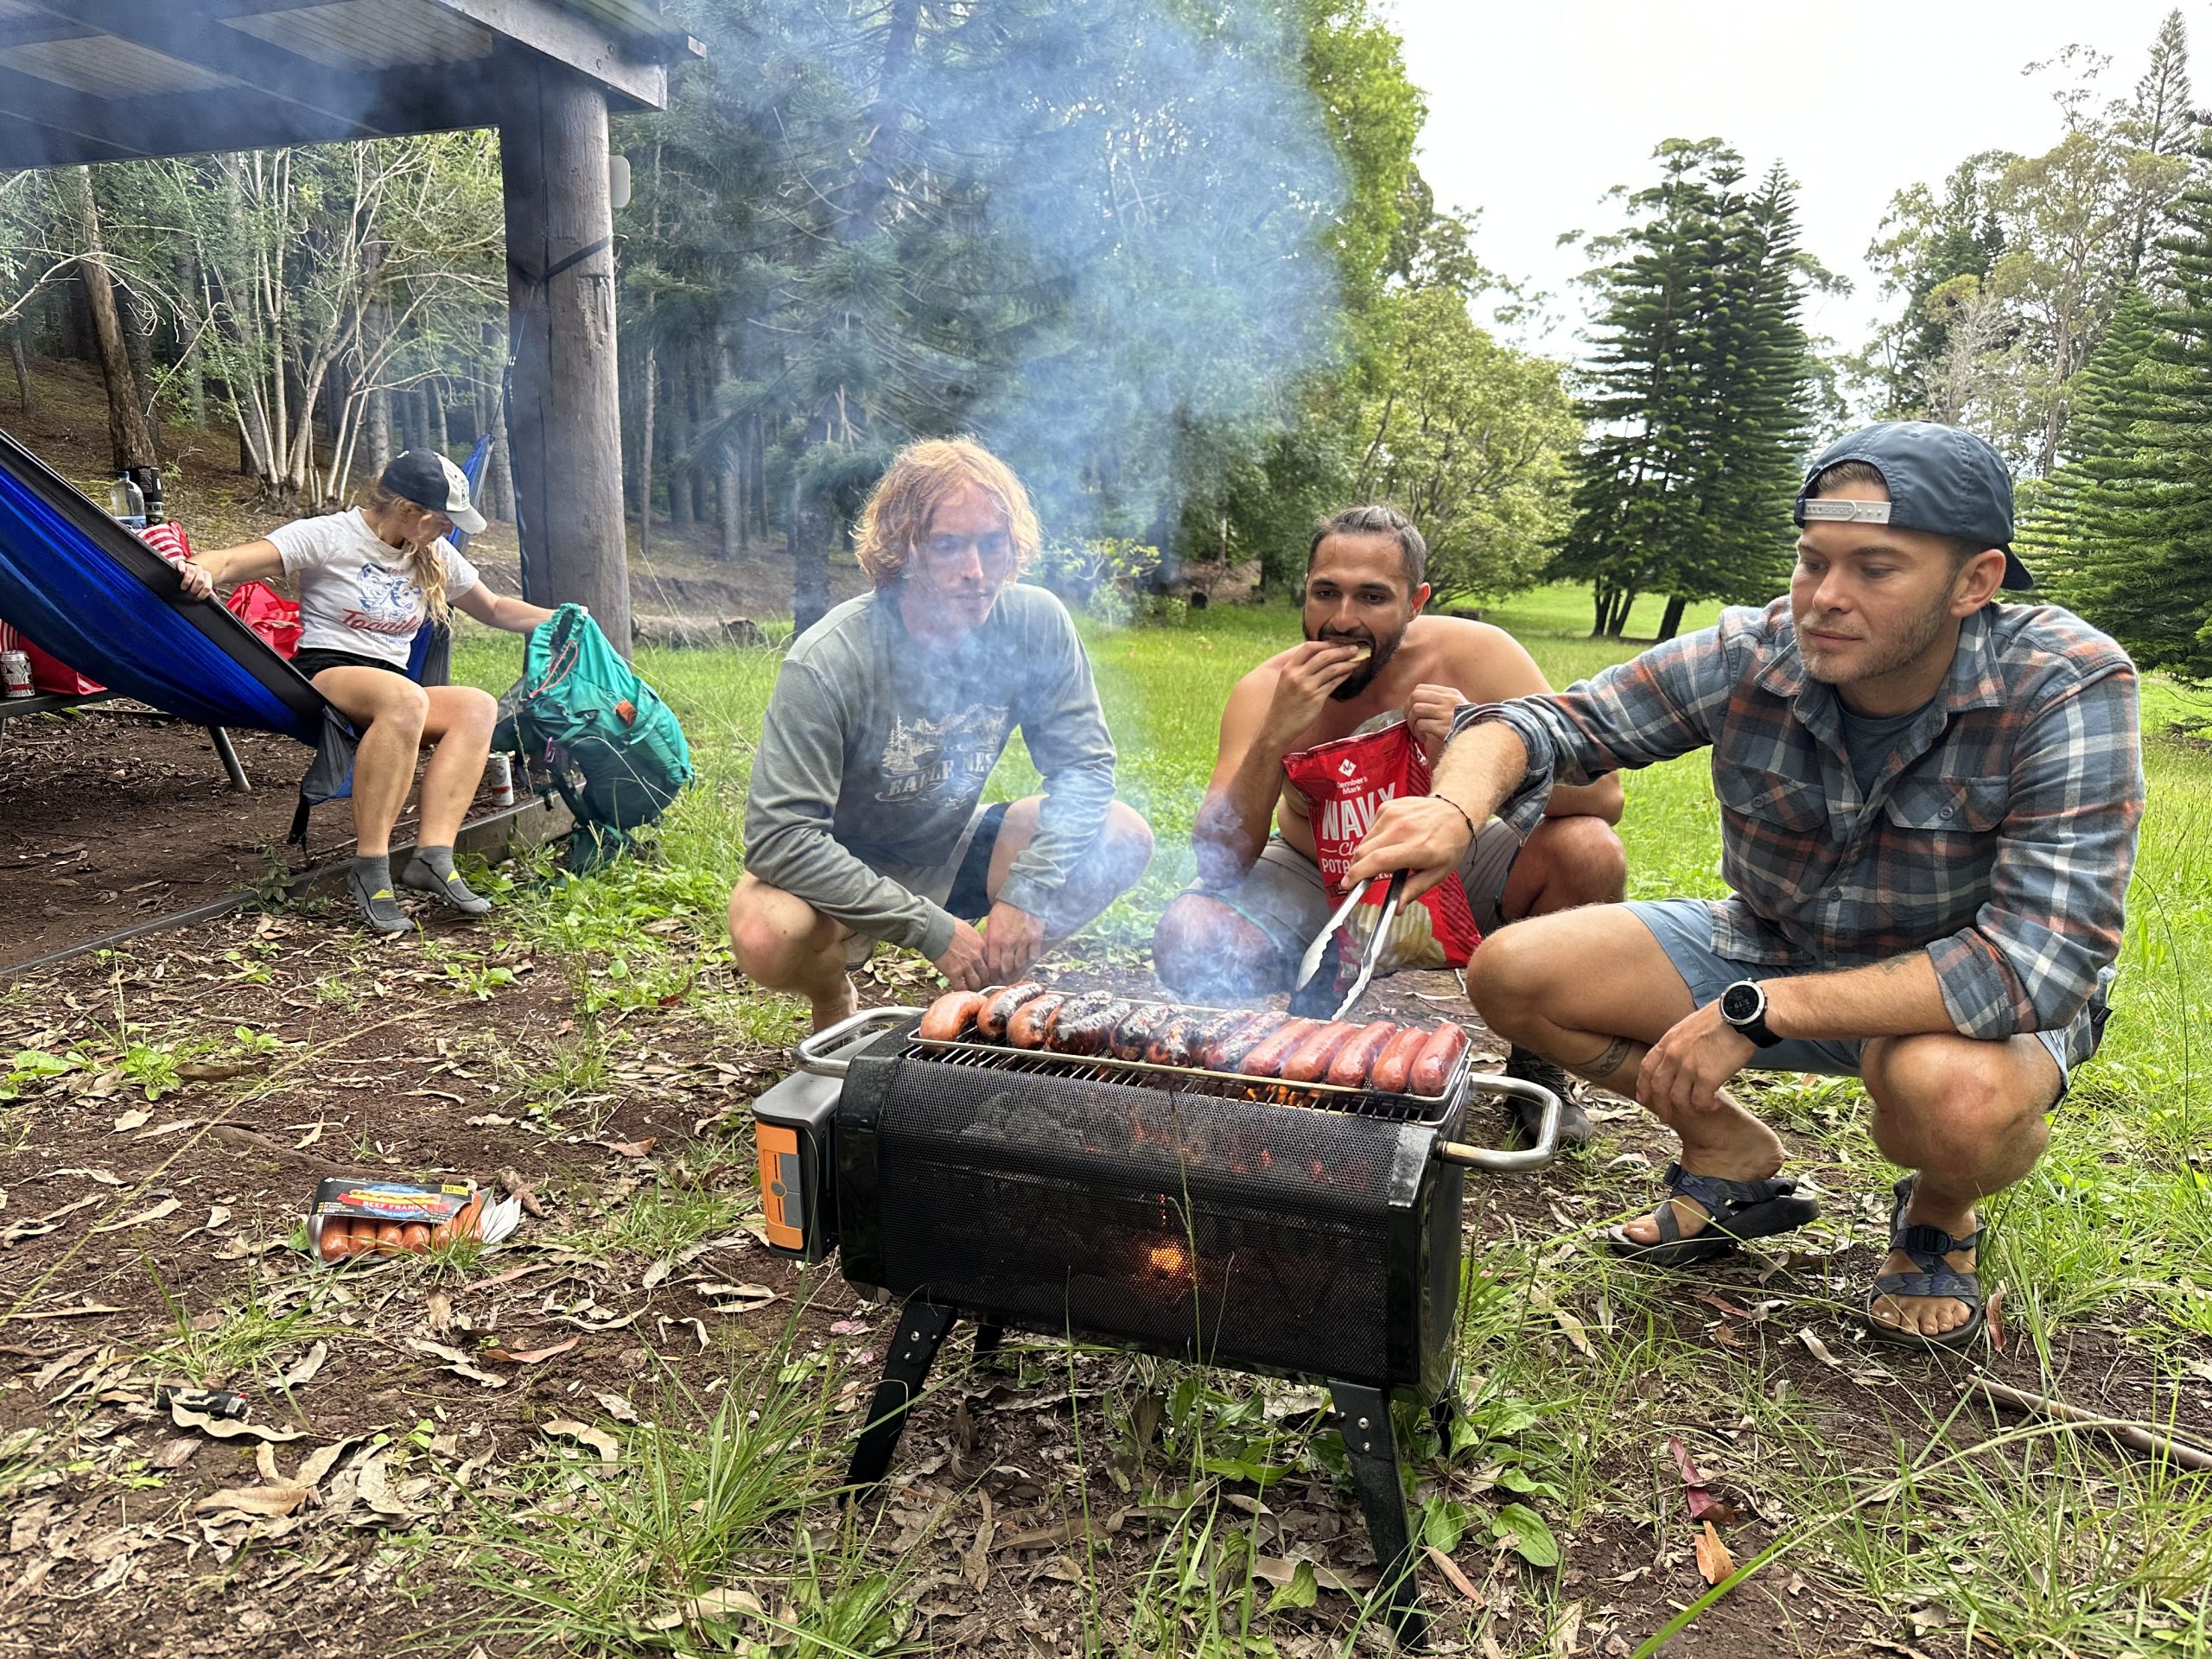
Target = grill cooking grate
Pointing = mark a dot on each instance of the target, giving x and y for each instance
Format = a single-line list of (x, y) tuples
[(1221, 1085)]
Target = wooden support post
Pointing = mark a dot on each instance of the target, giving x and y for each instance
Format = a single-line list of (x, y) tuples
[(564, 421)]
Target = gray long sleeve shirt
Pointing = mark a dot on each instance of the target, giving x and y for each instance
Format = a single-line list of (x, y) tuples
[(876, 747)]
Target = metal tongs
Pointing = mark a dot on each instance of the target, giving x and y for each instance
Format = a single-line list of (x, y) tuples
[(1310, 996)]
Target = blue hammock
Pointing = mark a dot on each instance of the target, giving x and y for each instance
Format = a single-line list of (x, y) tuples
[(96, 597)]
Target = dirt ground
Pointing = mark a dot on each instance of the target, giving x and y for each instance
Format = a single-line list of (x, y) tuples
[(137, 1232)]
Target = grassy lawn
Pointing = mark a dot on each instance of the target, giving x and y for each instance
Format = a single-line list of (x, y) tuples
[(1863, 1481)]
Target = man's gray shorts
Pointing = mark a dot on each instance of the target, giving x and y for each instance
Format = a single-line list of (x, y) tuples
[(1282, 894), (1684, 930), (937, 882)]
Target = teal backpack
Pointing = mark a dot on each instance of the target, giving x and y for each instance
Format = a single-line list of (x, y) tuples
[(579, 708)]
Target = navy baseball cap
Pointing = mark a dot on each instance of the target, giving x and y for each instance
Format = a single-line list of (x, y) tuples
[(1942, 479), (428, 480)]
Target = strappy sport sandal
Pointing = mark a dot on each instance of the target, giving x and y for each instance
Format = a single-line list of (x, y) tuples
[(1928, 1246), (1739, 1210)]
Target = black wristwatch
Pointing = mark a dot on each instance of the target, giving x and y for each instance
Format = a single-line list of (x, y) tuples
[(1743, 1005)]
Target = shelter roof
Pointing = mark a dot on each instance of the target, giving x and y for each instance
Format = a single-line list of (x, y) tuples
[(93, 80)]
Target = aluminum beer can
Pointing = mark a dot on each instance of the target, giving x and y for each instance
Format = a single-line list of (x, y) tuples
[(499, 779), (16, 672)]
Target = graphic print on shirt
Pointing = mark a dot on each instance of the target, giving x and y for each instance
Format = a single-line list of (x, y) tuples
[(948, 758), (391, 602)]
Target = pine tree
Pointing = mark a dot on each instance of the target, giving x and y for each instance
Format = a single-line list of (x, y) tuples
[(2124, 534)]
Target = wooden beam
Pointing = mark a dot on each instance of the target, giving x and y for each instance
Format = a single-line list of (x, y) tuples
[(564, 419), (628, 68), (181, 32)]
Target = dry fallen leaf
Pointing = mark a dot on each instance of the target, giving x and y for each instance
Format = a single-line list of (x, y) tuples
[(703, 1609), (1713, 1561), (609, 1449), (529, 1356), (629, 1148), (320, 1462), (132, 1119), (1994, 1319), (166, 1207), (303, 1373), (1458, 1581), (1279, 1572), (457, 1362), (1567, 1635), (1818, 1348), (227, 1428), (1694, 1488), (256, 1500), (518, 1188), (736, 1299), (617, 1407), (976, 1566), (47, 1222)]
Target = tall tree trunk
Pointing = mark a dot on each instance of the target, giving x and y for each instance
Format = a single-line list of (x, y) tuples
[(679, 438), (19, 354), (702, 508), (441, 436), (186, 269), (491, 416), (810, 546), (757, 446), (128, 435), (138, 346), (1670, 621)]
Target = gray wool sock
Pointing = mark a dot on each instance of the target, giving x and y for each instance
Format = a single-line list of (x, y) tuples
[(431, 871), (371, 881), (440, 859)]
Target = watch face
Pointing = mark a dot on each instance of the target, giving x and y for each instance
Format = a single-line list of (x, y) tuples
[(1741, 1002)]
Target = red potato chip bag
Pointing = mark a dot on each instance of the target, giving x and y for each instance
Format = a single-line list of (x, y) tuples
[(1345, 784)]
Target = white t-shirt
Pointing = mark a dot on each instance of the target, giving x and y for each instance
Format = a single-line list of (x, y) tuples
[(355, 592)]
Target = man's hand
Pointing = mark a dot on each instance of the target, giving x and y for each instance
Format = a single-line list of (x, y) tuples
[(1013, 939), (961, 964), (1424, 835), (198, 584), (1302, 689), (1692, 1063), (1428, 717)]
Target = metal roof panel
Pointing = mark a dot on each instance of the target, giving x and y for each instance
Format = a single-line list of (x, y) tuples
[(370, 34), (103, 66)]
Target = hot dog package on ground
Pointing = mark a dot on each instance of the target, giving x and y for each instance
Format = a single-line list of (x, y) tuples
[(1345, 784), (350, 1217)]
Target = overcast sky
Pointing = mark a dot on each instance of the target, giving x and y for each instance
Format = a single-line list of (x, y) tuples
[(1536, 109)]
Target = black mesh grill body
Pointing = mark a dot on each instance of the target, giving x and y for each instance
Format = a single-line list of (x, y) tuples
[(1259, 1237)]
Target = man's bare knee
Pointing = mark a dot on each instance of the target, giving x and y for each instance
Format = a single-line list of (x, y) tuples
[(1201, 947), (1954, 1102), (1125, 848), (1593, 864), (1507, 977), (773, 934)]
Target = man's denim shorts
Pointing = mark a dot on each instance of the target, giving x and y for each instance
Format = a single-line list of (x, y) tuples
[(1684, 930)]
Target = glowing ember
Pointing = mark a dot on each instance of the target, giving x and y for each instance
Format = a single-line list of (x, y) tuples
[(1168, 1258)]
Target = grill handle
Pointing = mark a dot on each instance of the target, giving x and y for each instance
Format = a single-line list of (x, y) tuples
[(814, 1052), (1498, 1160)]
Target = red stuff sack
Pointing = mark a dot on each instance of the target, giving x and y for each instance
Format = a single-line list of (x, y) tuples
[(1345, 784), (269, 614)]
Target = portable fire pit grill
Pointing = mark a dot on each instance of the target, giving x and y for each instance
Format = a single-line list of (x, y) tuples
[(1299, 1230)]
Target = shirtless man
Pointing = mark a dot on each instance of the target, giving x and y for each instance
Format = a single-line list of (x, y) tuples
[(1369, 656)]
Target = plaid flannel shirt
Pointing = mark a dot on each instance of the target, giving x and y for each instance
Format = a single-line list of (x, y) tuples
[(1998, 837)]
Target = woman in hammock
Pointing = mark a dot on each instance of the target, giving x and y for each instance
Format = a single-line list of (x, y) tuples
[(366, 580)]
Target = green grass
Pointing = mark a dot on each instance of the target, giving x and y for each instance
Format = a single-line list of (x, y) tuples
[(2041, 1540)]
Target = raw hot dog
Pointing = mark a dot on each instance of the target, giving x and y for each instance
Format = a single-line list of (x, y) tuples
[(1356, 1060), (950, 1016), (1388, 1075), (1229, 1053), (1084, 1023), (1309, 1061), (1033, 1019), (1433, 1066), (990, 1025), (1267, 1060), (1136, 1029)]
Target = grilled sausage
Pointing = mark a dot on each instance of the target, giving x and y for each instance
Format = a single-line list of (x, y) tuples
[(1432, 1066), (1356, 1060), (1175, 1042), (1136, 1029), (1267, 1060), (990, 1025), (1389, 1073), (1309, 1061), (1033, 1019), (1083, 1023), (1215, 1029), (950, 1016), (1228, 1054)]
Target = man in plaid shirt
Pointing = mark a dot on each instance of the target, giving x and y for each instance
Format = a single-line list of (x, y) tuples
[(1928, 808)]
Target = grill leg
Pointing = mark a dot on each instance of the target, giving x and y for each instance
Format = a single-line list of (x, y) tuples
[(922, 1326), (1363, 1413), (988, 1337)]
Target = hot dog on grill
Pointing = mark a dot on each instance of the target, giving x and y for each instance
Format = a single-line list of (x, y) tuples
[(1134, 1030), (1309, 1061), (1389, 1073), (990, 1025), (1432, 1066), (1083, 1023), (1033, 1019), (950, 1016), (1229, 1052), (1175, 1042), (1267, 1060), (1214, 1030), (1356, 1060)]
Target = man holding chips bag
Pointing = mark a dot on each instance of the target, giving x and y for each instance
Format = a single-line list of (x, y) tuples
[(1317, 738)]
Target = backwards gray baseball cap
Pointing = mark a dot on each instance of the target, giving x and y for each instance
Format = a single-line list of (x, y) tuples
[(1942, 479)]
